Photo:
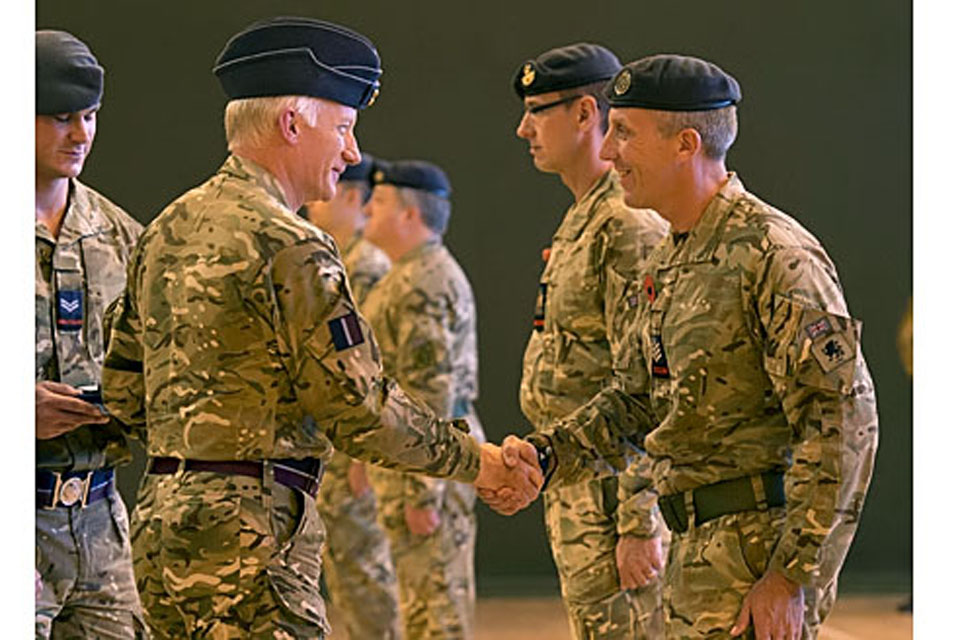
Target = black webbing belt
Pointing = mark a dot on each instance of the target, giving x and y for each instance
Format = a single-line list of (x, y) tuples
[(747, 493)]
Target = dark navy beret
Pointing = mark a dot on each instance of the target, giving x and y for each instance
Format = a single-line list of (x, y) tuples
[(300, 57), (564, 68), (669, 82), (415, 174), (359, 172), (69, 78)]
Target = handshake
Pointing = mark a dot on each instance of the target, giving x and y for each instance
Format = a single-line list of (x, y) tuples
[(510, 477)]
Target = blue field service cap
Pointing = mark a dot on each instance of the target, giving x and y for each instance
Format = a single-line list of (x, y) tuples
[(565, 68), (69, 78), (670, 82), (302, 57), (414, 174)]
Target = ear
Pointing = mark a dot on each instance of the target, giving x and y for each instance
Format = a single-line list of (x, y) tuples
[(289, 124), (587, 112), (689, 143)]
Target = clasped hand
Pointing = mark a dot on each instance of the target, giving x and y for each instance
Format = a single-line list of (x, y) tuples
[(510, 476)]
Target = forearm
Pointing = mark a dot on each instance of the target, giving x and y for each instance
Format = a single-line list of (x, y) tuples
[(597, 438)]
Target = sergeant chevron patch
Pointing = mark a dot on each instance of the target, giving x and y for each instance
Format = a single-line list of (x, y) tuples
[(69, 310)]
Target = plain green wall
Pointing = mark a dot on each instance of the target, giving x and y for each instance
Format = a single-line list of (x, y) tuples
[(824, 134)]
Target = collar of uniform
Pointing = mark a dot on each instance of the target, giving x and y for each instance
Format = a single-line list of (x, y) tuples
[(247, 170), (80, 220), (430, 245), (581, 212), (702, 240)]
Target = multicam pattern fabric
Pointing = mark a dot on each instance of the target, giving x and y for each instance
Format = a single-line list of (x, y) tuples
[(83, 554), (84, 269), (237, 338), (741, 358), (365, 264), (357, 566), (599, 247), (424, 316)]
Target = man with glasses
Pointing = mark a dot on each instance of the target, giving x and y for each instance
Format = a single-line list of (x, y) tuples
[(606, 540)]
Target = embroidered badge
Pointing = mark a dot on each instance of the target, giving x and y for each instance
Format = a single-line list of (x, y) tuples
[(658, 361), (649, 288), (622, 84), (70, 310), (540, 311), (819, 328), (529, 75), (832, 352), (346, 331)]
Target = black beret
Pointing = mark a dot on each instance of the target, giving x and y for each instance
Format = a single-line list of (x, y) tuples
[(69, 79), (414, 174), (359, 172), (564, 68), (669, 82), (300, 57)]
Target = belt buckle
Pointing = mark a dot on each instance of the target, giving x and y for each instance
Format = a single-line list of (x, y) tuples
[(72, 490)]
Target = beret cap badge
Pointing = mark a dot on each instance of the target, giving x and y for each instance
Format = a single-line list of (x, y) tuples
[(622, 84), (373, 97), (378, 176), (529, 75)]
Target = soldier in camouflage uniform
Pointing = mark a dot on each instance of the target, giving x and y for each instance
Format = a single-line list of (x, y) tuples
[(357, 566), (83, 242), (424, 317), (238, 356), (740, 373), (606, 540)]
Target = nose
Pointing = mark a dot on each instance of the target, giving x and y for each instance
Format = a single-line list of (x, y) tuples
[(81, 132), (351, 153), (524, 129), (608, 149)]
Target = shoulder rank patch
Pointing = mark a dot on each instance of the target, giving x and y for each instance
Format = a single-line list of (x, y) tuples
[(539, 313), (346, 331), (658, 360), (70, 310)]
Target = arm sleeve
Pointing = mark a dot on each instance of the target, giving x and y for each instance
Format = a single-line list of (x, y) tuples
[(814, 360), (333, 360), (122, 375), (628, 239)]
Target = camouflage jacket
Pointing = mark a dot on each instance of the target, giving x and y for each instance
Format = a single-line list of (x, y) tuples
[(425, 320), (599, 248), (740, 358), (365, 264), (77, 275), (237, 338)]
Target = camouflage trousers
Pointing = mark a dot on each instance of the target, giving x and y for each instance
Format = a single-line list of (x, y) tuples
[(582, 527), (357, 565), (83, 557), (228, 556), (712, 568), (435, 573)]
